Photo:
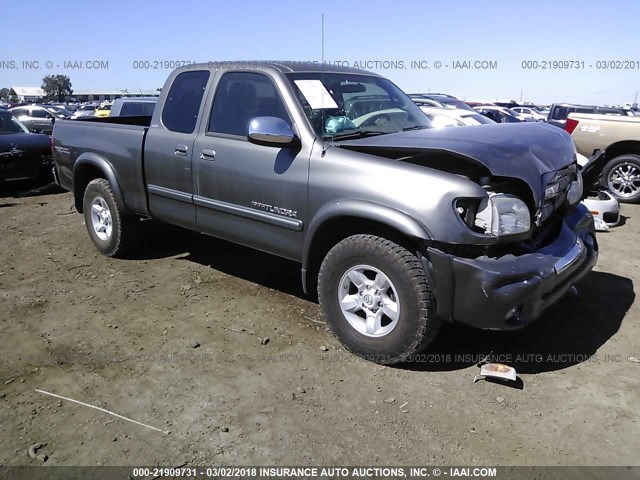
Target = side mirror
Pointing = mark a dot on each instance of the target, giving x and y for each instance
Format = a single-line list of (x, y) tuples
[(271, 131)]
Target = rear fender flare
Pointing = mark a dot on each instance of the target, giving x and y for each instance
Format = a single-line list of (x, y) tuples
[(91, 160)]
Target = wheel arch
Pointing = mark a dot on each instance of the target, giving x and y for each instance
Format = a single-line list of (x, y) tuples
[(625, 147), (88, 167), (343, 218)]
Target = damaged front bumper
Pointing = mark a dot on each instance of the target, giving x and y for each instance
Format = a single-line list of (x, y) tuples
[(509, 292)]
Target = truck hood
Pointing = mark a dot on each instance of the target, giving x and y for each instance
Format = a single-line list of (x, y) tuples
[(27, 142), (527, 151)]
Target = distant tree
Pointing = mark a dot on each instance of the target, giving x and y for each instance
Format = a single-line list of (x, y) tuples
[(4, 93), (57, 87)]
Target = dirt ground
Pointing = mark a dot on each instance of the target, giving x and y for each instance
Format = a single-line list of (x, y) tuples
[(217, 345)]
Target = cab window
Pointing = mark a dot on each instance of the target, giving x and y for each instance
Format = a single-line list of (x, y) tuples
[(241, 96), (182, 105)]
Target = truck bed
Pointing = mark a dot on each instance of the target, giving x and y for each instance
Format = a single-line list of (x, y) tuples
[(118, 141), (599, 132)]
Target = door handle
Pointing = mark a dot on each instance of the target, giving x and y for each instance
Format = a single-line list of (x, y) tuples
[(181, 150), (207, 154)]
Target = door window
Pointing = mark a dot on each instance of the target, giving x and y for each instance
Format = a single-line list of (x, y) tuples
[(38, 113), (240, 96)]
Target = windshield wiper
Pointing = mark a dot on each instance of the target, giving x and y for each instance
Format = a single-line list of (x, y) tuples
[(415, 127), (357, 134)]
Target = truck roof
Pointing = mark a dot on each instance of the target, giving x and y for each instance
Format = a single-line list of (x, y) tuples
[(282, 66)]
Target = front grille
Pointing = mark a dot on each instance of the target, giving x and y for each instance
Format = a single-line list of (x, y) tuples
[(555, 192)]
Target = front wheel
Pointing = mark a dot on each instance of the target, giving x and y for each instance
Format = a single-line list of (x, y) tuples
[(622, 177), (376, 299), (111, 232)]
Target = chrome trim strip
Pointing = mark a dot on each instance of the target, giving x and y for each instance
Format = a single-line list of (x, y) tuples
[(170, 193), (55, 176), (250, 213), (571, 257)]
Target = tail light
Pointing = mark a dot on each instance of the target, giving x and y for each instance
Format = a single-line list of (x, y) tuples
[(571, 125)]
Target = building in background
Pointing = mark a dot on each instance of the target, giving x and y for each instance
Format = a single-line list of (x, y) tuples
[(27, 94), (36, 94), (83, 95)]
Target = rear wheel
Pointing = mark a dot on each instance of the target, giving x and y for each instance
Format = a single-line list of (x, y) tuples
[(111, 232), (376, 299), (622, 177)]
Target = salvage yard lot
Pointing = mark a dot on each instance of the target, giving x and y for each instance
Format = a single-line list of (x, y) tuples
[(216, 344)]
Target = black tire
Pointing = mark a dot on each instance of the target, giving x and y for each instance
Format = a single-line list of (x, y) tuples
[(608, 174), (416, 325), (124, 233)]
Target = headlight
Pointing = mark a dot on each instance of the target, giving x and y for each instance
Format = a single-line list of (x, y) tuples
[(502, 214), (574, 195)]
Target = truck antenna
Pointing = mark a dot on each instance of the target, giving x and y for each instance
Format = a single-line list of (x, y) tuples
[(324, 149)]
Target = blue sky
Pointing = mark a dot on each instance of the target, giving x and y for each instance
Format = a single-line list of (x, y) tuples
[(506, 32)]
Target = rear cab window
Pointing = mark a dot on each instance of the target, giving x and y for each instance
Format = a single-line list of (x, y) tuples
[(132, 109), (181, 107)]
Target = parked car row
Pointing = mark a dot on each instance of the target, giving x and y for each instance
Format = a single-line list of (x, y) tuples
[(23, 155), (39, 118), (512, 112)]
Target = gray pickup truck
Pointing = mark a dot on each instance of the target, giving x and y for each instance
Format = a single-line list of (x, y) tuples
[(399, 226)]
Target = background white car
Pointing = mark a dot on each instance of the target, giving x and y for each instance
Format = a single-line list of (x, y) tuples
[(86, 110), (530, 113), (454, 117), (501, 114), (604, 207)]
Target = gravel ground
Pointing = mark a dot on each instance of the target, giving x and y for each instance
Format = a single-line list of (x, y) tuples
[(238, 366)]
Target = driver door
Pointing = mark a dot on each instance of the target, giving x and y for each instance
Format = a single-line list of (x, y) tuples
[(251, 194)]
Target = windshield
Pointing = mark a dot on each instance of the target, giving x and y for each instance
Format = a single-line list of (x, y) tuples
[(104, 107), (10, 124), (342, 104), (87, 107)]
